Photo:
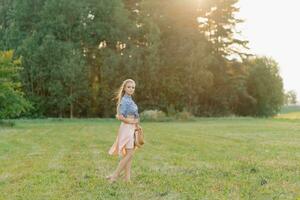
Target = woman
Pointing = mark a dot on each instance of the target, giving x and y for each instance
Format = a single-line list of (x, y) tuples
[(127, 112)]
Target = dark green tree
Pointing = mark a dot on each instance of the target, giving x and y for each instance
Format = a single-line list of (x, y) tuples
[(55, 75), (217, 21), (183, 55), (265, 85)]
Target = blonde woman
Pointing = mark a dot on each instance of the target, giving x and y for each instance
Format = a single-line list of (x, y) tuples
[(127, 113)]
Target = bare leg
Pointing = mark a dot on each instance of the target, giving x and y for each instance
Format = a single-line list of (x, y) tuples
[(128, 170), (122, 164)]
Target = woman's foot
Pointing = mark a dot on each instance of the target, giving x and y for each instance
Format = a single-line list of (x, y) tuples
[(112, 179), (109, 177), (127, 180)]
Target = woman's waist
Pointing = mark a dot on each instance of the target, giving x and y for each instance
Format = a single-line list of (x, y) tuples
[(130, 116)]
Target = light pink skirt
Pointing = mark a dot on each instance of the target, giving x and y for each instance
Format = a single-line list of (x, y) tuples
[(124, 140)]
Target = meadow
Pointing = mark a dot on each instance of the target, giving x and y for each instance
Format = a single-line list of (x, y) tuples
[(289, 112), (209, 158)]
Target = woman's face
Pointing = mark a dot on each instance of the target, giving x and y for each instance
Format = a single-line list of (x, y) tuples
[(129, 88)]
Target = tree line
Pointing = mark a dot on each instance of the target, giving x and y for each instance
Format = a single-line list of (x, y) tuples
[(183, 55)]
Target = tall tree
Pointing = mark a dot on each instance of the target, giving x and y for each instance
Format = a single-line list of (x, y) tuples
[(217, 20), (181, 50), (290, 97), (76, 53), (265, 85), (53, 58)]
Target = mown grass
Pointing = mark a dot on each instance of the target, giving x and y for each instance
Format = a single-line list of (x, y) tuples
[(292, 115), (289, 112), (210, 158)]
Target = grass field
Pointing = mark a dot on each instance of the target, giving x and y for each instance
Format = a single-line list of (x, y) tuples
[(210, 158), (289, 112), (290, 109), (292, 115)]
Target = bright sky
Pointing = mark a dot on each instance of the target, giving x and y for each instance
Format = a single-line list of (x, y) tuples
[(273, 29)]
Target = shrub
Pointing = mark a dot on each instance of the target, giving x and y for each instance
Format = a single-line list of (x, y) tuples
[(6, 123), (153, 115), (160, 116), (184, 116)]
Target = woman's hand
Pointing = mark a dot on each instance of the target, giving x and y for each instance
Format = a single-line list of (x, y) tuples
[(118, 117)]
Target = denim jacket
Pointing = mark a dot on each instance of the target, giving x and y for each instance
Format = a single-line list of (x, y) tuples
[(128, 107)]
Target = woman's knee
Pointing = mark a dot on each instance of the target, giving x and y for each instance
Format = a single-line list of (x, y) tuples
[(130, 152)]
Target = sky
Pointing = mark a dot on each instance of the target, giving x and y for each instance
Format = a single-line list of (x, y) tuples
[(273, 29)]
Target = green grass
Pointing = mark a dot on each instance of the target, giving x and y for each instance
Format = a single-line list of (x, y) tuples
[(289, 112), (210, 158), (291, 115)]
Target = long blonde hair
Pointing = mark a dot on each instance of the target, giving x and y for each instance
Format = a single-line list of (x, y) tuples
[(120, 92)]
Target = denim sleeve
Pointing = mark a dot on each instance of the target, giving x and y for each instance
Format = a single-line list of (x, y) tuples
[(136, 114), (123, 107)]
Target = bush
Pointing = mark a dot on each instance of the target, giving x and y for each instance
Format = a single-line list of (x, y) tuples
[(184, 116), (12, 101), (154, 115), (7, 123), (160, 116)]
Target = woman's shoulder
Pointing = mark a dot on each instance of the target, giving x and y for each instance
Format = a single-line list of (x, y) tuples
[(125, 99)]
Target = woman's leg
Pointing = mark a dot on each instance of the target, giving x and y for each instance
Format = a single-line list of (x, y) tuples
[(122, 164), (128, 169)]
